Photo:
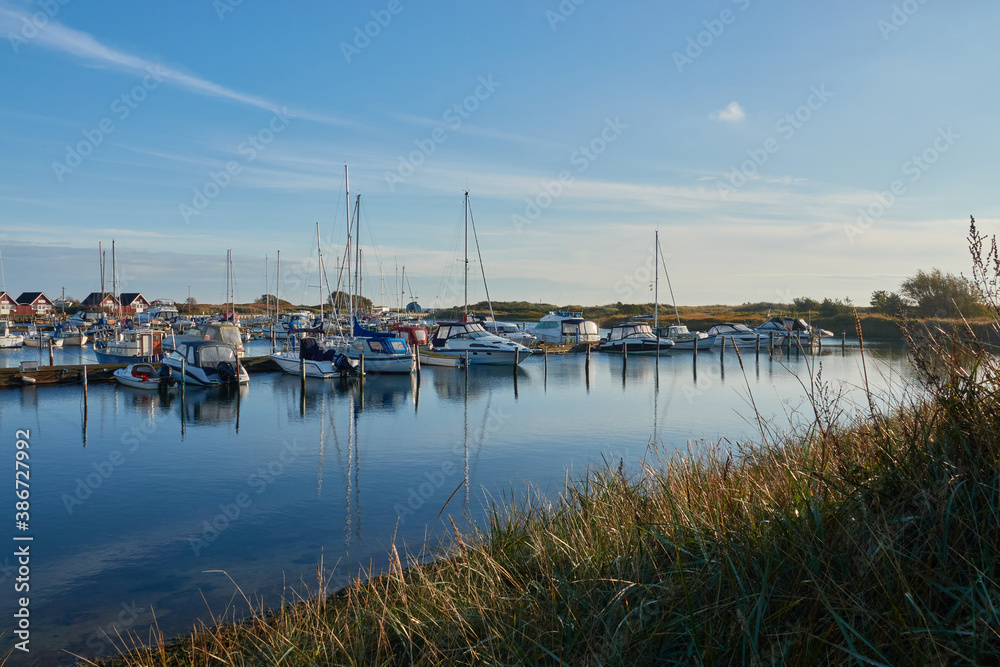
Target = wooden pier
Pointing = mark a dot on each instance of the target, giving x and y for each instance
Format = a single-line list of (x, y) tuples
[(73, 373)]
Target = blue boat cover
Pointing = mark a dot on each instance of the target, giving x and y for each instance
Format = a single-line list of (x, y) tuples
[(365, 333)]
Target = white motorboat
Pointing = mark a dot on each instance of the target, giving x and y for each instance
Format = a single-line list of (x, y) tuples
[(206, 363), (738, 334), (471, 341), (144, 376), (316, 361), (511, 331), (635, 338), (687, 340), (221, 332), (9, 339), (36, 338), (164, 314), (797, 328), (70, 336), (565, 327)]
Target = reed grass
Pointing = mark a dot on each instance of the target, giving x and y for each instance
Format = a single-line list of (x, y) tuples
[(871, 539)]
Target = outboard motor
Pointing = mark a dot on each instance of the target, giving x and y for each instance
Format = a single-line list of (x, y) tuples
[(227, 372), (164, 377)]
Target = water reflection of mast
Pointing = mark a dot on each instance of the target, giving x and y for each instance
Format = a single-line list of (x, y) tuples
[(466, 422), (319, 471)]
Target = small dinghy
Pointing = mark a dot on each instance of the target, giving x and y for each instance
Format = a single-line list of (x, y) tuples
[(144, 376)]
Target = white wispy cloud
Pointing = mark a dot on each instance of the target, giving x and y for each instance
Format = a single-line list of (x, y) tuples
[(57, 37), (733, 113)]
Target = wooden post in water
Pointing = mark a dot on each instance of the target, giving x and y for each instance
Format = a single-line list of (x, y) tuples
[(183, 392), (722, 350), (694, 352), (302, 374), (51, 362), (416, 354), (757, 349), (843, 342), (361, 366), (545, 358), (770, 344), (272, 337), (85, 406), (517, 354), (624, 357)]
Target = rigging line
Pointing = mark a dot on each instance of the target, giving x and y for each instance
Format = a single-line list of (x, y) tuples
[(481, 267), (663, 261)]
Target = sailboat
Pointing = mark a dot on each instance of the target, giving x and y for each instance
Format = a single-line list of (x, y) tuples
[(677, 333), (470, 340), (311, 357), (382, 352)]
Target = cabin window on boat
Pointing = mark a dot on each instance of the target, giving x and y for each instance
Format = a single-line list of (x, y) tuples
[(398, 345), (443, 332), (375, 345), (213, 355), (231, 336)]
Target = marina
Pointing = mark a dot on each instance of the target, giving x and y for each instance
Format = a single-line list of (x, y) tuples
[(145, 502)]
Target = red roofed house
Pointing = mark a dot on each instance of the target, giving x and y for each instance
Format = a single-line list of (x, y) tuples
[(98, 301), (8, 306), (134, 302), (33, 303)]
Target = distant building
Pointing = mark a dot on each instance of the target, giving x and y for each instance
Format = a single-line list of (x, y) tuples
[(8, 306), (133, 302), (34, 303), (98, 301)]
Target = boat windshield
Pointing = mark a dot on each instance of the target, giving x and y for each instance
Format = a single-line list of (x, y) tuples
[(213, 355)]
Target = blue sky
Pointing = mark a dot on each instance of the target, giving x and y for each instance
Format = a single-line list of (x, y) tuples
[(781, 149)]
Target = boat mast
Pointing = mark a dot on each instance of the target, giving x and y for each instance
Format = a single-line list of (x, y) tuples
[(267, 290), (466, 254), (357, 247), (667, 274), (277, 287), (319, 255), (656, 286), (347, 207)]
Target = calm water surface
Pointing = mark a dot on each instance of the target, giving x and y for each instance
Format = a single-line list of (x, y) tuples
[(140, 511)]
